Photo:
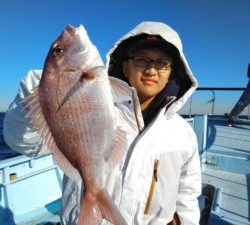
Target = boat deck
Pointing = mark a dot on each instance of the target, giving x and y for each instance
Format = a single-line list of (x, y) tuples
[(226, 166), (27, 199)]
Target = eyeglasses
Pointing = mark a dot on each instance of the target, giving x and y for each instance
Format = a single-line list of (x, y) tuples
[(144, 62)]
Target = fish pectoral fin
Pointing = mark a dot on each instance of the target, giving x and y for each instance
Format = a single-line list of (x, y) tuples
[(118, 148), (35, 114)]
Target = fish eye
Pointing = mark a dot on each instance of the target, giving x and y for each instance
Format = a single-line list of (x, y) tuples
[(57, 50)]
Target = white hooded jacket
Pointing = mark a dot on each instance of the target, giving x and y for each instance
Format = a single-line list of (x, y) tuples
[(159, 175)]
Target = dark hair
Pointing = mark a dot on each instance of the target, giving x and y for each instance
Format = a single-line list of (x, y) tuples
[(146, 41)]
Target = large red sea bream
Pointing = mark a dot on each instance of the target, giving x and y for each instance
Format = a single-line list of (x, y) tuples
[(73, 110)]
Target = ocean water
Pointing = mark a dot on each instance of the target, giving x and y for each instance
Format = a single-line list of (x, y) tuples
[(1, 128), (5, 151)]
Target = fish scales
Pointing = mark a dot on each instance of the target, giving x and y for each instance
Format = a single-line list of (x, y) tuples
[(86, 133)]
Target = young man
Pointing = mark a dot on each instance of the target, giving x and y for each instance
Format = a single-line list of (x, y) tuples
[(160, 173)]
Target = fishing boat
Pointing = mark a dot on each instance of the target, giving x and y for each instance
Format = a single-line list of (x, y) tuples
[(26, 198)]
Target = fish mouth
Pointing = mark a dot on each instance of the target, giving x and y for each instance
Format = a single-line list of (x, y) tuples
[(73, 31), (70, 29)]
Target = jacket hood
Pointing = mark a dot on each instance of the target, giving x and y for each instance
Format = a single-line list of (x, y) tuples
[(183, 83)]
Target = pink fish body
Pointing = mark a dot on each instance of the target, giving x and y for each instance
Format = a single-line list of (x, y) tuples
[(74, 112)]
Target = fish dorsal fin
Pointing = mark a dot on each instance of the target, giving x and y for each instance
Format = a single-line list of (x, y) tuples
[(118, 148), (35, 114)]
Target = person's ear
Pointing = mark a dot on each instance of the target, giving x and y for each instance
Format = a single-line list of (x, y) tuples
[(125, 68)]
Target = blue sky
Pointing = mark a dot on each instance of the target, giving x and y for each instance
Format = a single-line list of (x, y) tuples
[(215, 35)]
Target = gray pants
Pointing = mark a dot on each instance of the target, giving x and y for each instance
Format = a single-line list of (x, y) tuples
[(241, 104)]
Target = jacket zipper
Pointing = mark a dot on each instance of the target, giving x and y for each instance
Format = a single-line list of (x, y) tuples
[(152, 186), (156, 162)]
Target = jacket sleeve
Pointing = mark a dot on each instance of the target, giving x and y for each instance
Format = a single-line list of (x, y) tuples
[(190, 189), (18, 132)]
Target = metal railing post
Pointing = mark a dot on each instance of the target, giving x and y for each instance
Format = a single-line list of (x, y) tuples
[(190, 107), (248, 111)]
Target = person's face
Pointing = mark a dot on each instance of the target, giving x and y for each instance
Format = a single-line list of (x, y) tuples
[(147, 74)]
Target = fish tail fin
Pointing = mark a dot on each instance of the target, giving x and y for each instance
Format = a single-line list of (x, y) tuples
[(109, 210), (90, 213), (95, 208)]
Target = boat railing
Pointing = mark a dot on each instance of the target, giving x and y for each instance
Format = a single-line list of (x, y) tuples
[(214, 90)]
